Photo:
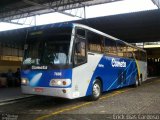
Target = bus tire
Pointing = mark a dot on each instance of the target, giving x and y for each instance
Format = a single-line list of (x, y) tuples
[(140, 80), (96, 90), (137, 82)]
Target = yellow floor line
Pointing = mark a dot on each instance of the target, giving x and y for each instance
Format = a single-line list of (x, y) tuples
[(87, 103), (63, 110), (76, 107)]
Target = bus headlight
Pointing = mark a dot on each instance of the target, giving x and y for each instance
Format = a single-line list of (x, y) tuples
[(60, 82), (24, 81)]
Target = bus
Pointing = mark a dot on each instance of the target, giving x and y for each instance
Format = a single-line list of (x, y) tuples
[(70, 60)]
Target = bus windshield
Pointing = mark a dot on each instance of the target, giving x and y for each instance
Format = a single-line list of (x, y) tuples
[(47, 50)]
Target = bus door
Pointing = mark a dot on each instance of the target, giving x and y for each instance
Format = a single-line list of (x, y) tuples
[(80, 56)]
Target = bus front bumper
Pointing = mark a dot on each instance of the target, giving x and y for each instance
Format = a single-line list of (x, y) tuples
[(56, 92)]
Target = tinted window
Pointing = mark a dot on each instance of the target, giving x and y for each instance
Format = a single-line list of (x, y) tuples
[(136, 53), (50, 50), (121, 49), (80, 32), (110, 47), (129, 52), (80, 51), (95, 42), (142, 56)]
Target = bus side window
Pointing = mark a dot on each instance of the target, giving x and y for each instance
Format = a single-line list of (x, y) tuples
[(136, 52), (121, 48), (130, 53), (142, 56), (95, 42), (80, 51), (110, 47), (81, 32)]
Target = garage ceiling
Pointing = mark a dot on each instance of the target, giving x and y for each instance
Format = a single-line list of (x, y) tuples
[(16, 9), (131, 27)]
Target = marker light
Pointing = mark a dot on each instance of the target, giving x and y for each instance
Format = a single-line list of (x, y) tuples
[(24, 81), (60, 82), (64, 91), (64, 82)]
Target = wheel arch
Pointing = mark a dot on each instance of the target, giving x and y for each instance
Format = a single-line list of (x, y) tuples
[(93, 80)]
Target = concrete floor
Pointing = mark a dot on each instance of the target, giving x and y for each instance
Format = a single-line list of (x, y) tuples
[(127, 103)]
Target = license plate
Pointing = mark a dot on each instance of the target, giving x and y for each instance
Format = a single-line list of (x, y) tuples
[(38, 89)]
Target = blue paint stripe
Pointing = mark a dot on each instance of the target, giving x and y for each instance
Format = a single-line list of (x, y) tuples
[(127, 78), (118, 76), (131, 74)]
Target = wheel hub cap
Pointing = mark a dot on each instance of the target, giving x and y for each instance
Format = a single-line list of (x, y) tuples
[(96, 90)]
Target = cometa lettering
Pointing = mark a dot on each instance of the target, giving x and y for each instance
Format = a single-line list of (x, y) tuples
[(116, 63), (39, 67)]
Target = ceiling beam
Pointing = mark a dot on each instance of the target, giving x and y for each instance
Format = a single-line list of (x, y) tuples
[(27, 8), (50, 8), (156, 2)]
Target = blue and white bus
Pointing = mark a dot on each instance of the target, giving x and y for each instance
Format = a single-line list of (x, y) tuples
[(73, 60)]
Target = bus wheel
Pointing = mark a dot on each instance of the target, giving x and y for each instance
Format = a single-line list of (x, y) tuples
[(96, 90), (140, 80), (137, 82)]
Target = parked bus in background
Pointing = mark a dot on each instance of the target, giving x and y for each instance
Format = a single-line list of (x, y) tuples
[(73, 60)]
